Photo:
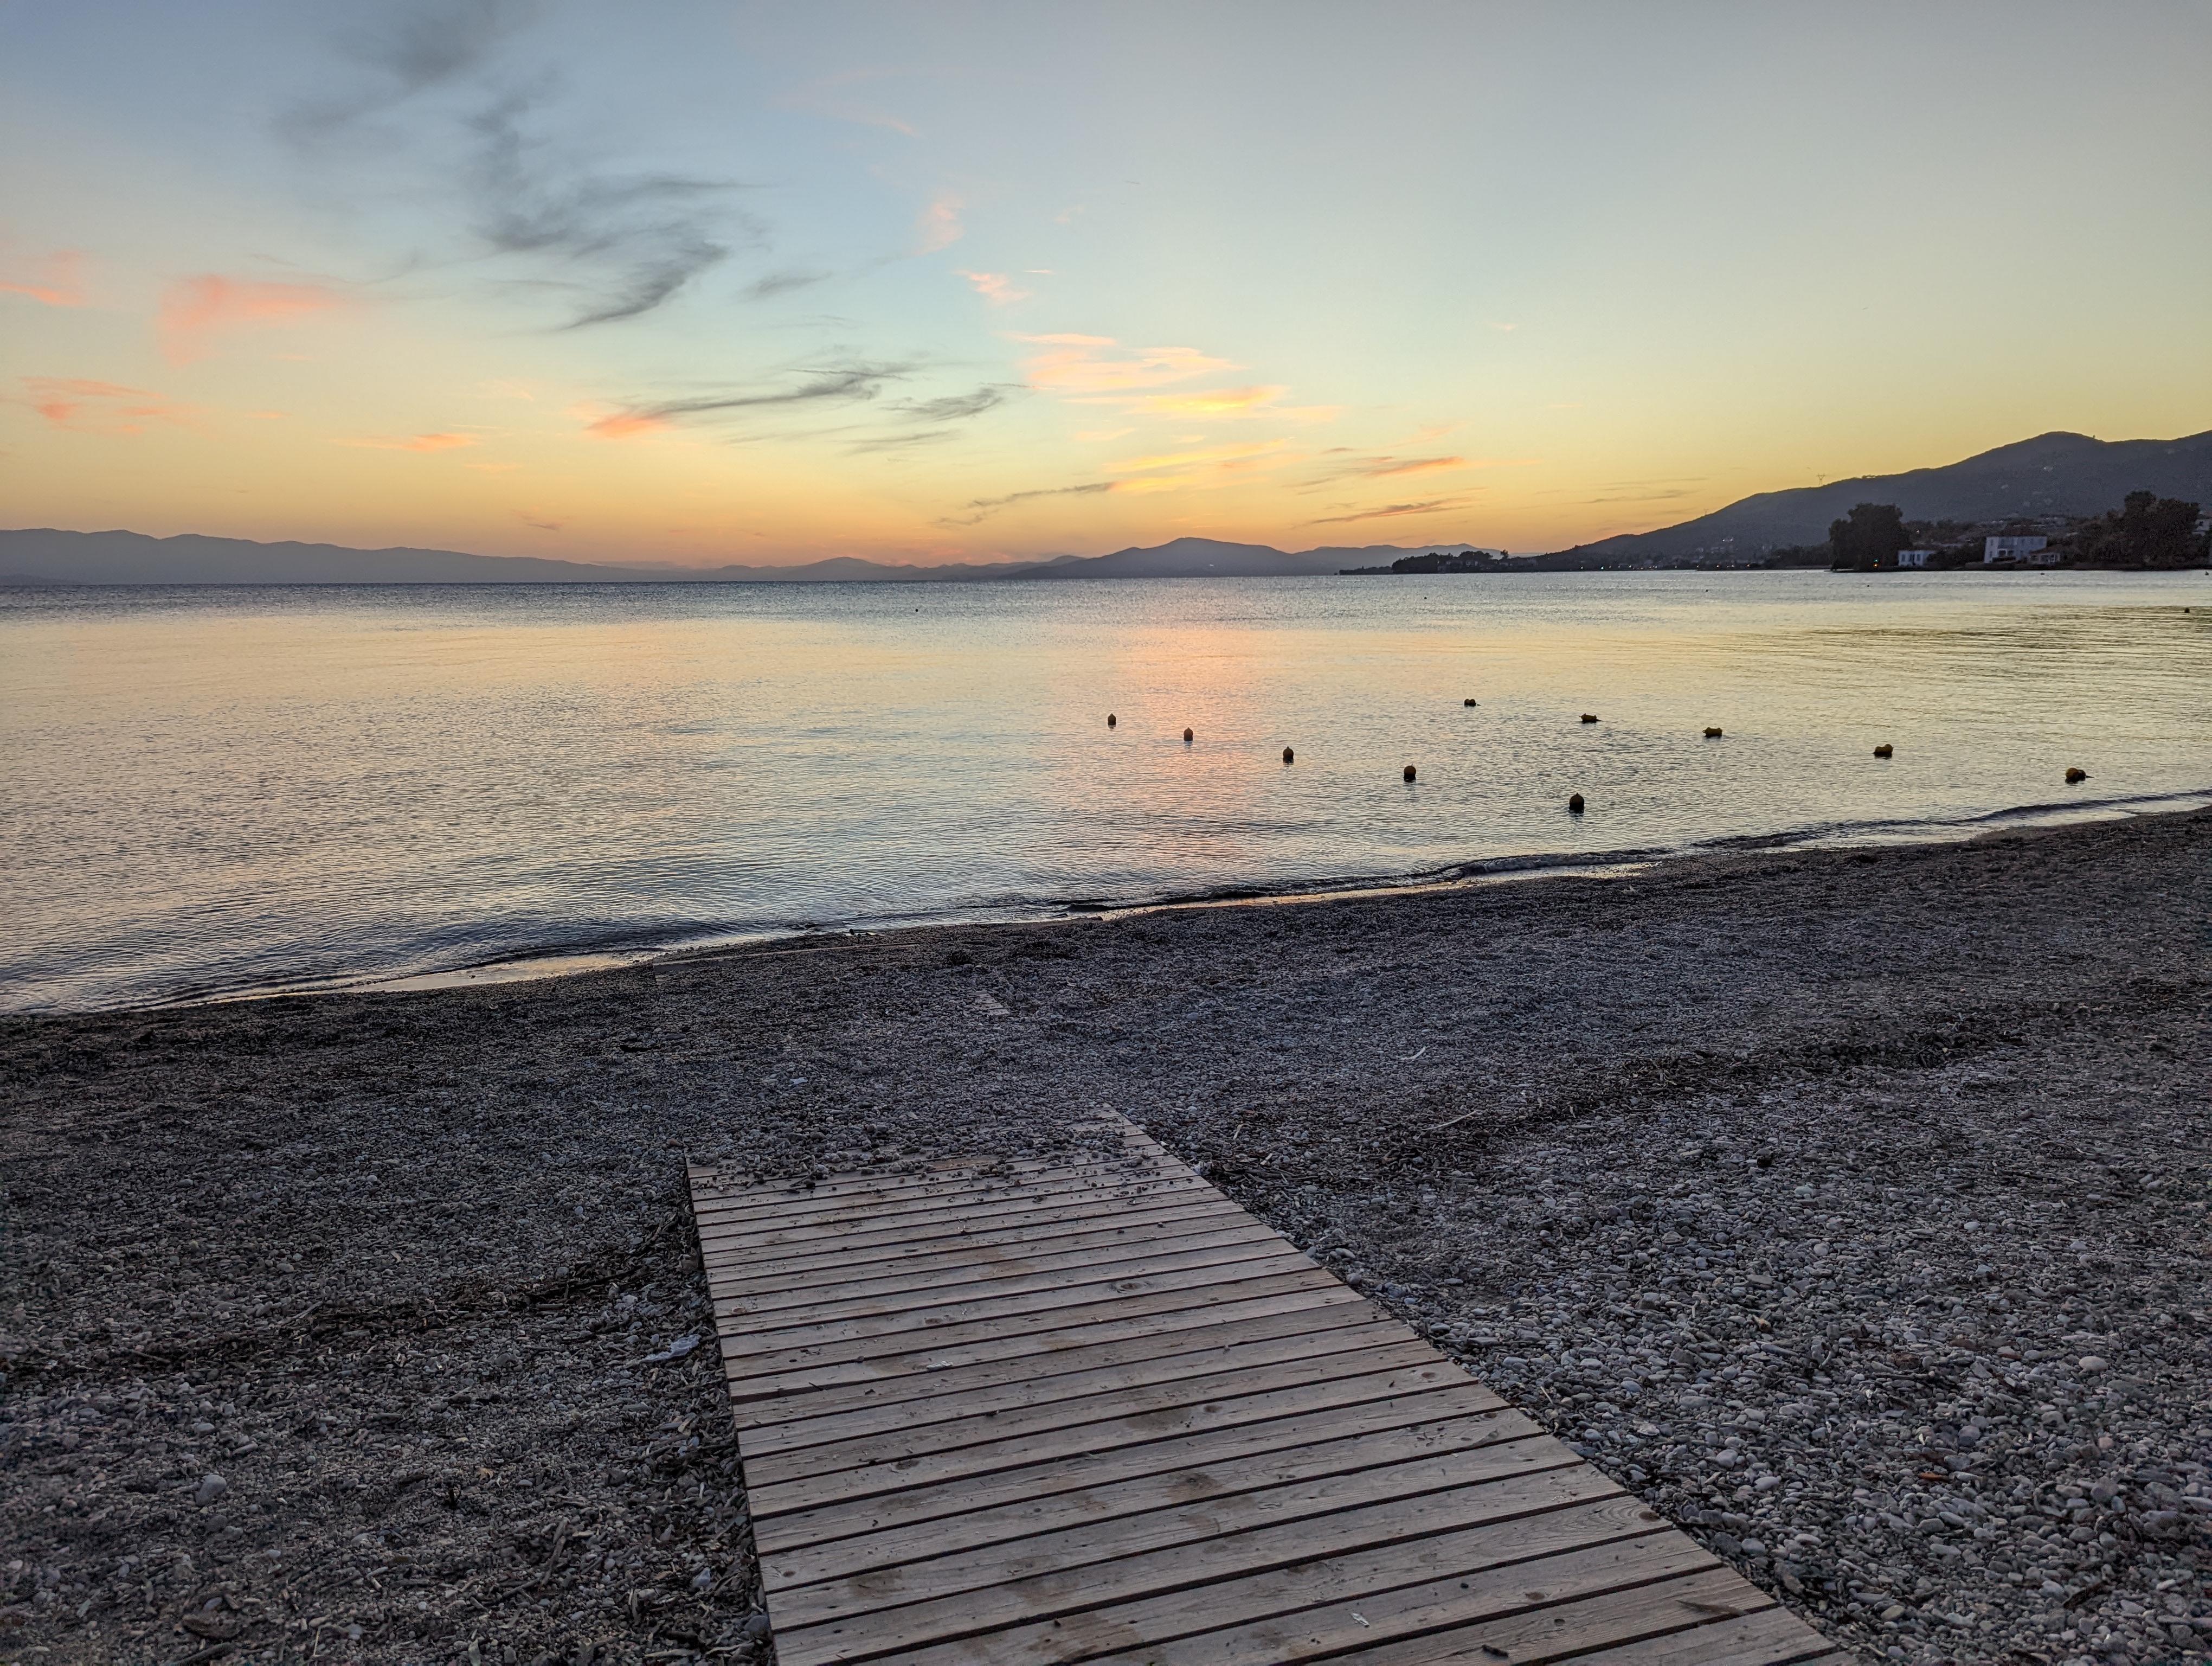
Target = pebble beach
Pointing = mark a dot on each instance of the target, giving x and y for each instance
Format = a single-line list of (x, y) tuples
[(1849, 1205)]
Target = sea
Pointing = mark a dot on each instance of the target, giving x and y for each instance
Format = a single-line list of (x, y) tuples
[(218, 792)]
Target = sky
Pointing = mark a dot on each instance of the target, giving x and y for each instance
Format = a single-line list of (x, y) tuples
[(710, 282)]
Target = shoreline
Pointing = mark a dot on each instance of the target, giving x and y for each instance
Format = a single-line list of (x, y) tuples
[(533, 965), (1847, 1205)]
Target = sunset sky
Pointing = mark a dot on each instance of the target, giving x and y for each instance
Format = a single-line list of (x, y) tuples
[(711, 281)]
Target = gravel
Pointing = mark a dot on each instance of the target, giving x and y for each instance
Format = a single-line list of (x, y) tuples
[(1851, 1205)]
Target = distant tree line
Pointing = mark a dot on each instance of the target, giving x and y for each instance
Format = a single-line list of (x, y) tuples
[(2147, 531)]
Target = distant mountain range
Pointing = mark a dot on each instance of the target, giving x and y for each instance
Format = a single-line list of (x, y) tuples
[(42, 554), (2053, 474)]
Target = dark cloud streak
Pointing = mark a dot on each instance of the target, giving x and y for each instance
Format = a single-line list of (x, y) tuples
[(983, 507), (642, 234), (840, 384), (1434, 505), (953, 407), (624, 244), (781, 283)]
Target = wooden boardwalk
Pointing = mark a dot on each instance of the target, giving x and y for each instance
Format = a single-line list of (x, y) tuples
[(1094, 1411)]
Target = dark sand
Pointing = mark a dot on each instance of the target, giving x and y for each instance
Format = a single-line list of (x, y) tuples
[(1850, 1205)]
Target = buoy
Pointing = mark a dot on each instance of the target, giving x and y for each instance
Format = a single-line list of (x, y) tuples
[(1882, 751), (1467, 702), (1575, 804), (1590, 717), (1713, 734), (2073, 776), (1409, 772), (1288, 755), (1109, 719), (1186, 737)]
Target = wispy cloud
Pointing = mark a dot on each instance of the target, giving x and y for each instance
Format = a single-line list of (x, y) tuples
[(1644, 492), (57, 279), (539, 522), (1100, 365), (409, 49), (836, 384), (940, 226), (622, 244), (954, 406), (635, 241), (194, 310), (931, 436), (782, 284), (983, 507), (416, 442), (1392, 511), (1389, 466), (96, 407), (997, 288)]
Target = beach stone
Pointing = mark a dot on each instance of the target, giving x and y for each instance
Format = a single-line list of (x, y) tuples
[(211, 1488)]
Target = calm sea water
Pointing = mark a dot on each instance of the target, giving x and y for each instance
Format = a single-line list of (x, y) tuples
[(217, 791)]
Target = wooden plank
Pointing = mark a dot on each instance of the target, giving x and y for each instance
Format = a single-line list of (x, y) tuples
[(1549, 1474), (1211, 1402), (807, 1376), (1509, 1541), (1069, 1193), (1554, 1629), (1438, 1416), (794, 1349), (737, 1274), (1770, 1636), (1323, 1408), (1301, 1354), (1083, 1410), (1471, 1438), (782, 1195), (1069, 1591), (997, 1285), (1014, 1212), (1319, 1326)]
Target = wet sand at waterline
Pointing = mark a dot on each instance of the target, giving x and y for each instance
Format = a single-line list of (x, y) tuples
[(1849, 1205)]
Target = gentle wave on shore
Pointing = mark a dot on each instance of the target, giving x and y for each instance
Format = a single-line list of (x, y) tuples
[(222, 791)]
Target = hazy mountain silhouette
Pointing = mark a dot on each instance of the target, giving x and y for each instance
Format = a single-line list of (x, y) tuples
[(118, 558), (2053, 474), (1207, 558), (43, 555)]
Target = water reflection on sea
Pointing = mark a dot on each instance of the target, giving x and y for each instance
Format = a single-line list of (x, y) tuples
[(223, 790)]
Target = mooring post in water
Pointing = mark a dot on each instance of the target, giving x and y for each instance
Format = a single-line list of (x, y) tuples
[(1409, 772), (1186, 737), (1288, 755), (1109, 719), (1575, 804)]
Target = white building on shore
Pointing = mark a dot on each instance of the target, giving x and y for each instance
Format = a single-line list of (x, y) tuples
[(2034, 550), (1913, 557)]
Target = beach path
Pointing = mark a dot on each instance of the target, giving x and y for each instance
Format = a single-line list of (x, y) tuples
[(1008, 1412)]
